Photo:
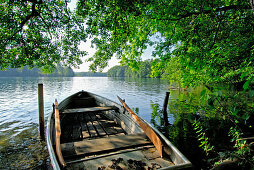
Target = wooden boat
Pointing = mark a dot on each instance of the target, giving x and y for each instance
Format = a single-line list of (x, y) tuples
[(87, 131)]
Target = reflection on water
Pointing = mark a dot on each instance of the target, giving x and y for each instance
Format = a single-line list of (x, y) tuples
[(19, 143)]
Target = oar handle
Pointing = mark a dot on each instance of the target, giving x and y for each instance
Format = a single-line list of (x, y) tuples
[(57, 136)]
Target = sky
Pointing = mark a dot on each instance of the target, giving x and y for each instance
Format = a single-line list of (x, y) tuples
[(84, 67), (86, 46)]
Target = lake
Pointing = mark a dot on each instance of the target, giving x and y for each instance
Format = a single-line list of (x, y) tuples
[(19, 143)]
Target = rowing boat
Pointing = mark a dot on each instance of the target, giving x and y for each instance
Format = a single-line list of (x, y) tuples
[(87, 131)]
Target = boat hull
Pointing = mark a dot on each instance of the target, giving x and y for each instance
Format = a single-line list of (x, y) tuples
[(99, 133)]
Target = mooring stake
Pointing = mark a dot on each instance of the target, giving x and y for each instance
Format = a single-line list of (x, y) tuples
[(41, 111), (165, 114)]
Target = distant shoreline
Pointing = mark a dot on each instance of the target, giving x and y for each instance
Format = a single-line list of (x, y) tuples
[(90, 74)]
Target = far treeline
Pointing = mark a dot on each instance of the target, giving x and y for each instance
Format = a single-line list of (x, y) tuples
[(144, 71), (59, 71), (89, 74)]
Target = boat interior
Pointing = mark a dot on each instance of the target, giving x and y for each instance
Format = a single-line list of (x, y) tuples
[(95, 135)]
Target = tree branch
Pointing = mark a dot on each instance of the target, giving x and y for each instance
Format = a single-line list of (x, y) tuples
[(221, 9), (33, 1), (34, 13), (226, 8), (215, 36), (47, 26), (252, 4)]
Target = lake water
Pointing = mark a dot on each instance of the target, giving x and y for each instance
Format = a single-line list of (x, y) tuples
[(19, 143)]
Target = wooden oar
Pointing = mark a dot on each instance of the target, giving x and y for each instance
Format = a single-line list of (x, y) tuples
[(146, 128), (58, 134)]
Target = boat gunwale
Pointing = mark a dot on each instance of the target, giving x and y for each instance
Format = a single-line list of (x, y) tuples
[(52, 154), (51, 151), (186, 163)]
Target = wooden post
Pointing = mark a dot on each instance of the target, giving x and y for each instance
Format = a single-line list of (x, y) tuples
[(165, 114), (41, 111)]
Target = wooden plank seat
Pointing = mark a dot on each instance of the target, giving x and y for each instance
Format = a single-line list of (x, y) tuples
[(104, 145), (89, 109)]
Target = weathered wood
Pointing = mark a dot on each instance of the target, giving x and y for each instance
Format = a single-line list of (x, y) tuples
[(76, 132), (90, 109), (41, 111), (58, 134), (109, 126), (165, 114), (83, 102), (93, 146), (84, 128), (91, 129), (126, 122), (97, 125), (110, 154), (66, 133), (147, 129), (85, 133)]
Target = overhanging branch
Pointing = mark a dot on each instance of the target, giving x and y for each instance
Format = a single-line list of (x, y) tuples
[(221, 9), (33, 14), (252, 4)]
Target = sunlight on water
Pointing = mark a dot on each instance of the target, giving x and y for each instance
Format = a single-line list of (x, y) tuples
[(20, 146)]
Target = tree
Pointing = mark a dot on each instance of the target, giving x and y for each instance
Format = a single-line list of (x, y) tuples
[(172, 71), (125, 71), (212, 40), (39, 33), (25, 72)]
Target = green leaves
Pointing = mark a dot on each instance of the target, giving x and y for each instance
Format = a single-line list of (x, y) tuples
[(202, 137), (38, 33), (205, 42), (124, 71), (246, 84), (240, 144), (116, 28)]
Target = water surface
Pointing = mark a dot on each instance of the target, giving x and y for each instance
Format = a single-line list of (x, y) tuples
[(19, 143)]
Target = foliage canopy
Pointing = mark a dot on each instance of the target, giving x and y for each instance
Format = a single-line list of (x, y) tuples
[(59, 71), (125, 71), (206, 41), (39, 33), (211, 40)]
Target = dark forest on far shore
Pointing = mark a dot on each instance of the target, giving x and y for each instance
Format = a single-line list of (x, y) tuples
[(26, 72)]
